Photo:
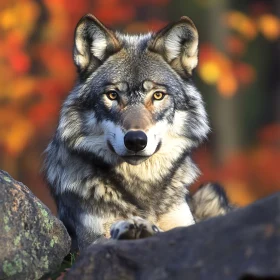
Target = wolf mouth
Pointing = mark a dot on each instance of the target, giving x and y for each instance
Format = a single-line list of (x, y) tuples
[(131, 159), (134, 160)]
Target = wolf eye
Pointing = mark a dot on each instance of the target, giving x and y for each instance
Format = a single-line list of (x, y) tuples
[(158, 95), (112, 95)]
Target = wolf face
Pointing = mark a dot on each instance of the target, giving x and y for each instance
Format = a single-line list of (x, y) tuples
[(131, 92), (126, 130)]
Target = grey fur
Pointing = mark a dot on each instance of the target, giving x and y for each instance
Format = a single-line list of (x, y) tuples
[(93, 177)]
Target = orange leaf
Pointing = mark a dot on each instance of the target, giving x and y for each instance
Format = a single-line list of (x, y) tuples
[(245, 73), (227, 85), (242, 24), (15, 133), (20, 62), (235, 45), (23, 87), (269, 26)]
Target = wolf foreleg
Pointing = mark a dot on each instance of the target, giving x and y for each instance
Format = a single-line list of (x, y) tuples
[(176, 217)]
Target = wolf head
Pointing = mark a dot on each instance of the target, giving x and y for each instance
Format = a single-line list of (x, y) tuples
[(134, 97)]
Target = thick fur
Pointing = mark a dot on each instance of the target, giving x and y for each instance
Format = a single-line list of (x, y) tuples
[(209, 201), (95, 180)]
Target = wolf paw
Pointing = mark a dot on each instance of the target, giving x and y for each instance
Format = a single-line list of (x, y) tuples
[(133, 228)]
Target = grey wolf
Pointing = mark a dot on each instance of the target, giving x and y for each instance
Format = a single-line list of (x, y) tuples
[(121, 155)]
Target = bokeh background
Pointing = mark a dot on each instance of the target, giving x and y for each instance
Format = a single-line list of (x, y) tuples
[(238, 75)]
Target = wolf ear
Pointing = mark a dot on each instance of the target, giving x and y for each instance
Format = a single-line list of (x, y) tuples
[(178, 44), (93, 43)]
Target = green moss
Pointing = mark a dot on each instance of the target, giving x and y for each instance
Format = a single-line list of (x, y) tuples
[(44, 212), (7, 228), (37, 274), (18, 263), (13, 267), (17, 240), (48, 224), (7, 179), (53, 241), (24, 253), (27, 234), (45, 262), (6, 220), (8, 268)]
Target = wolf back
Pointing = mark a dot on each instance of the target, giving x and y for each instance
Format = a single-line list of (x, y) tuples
[(126, 131)]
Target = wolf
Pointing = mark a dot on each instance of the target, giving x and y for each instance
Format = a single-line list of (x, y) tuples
[(119, 165)]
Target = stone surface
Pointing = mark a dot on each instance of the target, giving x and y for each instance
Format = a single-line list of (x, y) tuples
[(244, 244), (32, 241)]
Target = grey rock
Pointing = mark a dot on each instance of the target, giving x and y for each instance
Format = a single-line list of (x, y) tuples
[(32, 241), (244, 244)]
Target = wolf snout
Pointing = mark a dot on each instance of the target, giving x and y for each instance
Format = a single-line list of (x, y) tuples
[(135, 141)]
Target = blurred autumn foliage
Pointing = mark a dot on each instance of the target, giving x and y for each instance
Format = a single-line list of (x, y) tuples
[(36, 72)]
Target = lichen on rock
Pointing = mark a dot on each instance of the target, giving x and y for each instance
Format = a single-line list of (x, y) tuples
[(32, 241)]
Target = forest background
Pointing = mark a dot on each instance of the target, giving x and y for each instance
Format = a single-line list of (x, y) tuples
[(238, 75)]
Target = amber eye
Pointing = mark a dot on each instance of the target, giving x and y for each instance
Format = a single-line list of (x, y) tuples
[(158, 95), (112, 95)]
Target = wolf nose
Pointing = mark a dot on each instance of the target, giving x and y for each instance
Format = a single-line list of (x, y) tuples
[(135, 140)]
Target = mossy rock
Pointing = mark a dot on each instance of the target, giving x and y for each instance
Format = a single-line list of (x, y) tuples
[(33, 242)]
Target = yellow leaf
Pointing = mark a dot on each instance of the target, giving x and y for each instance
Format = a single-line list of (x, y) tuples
[(7, 19), (15, 131), (209, 72)]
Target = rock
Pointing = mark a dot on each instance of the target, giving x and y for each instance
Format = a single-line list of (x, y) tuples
[(32, 241), (244, 244)]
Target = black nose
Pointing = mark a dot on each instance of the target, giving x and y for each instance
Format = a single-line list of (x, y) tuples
[(135, 140)]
